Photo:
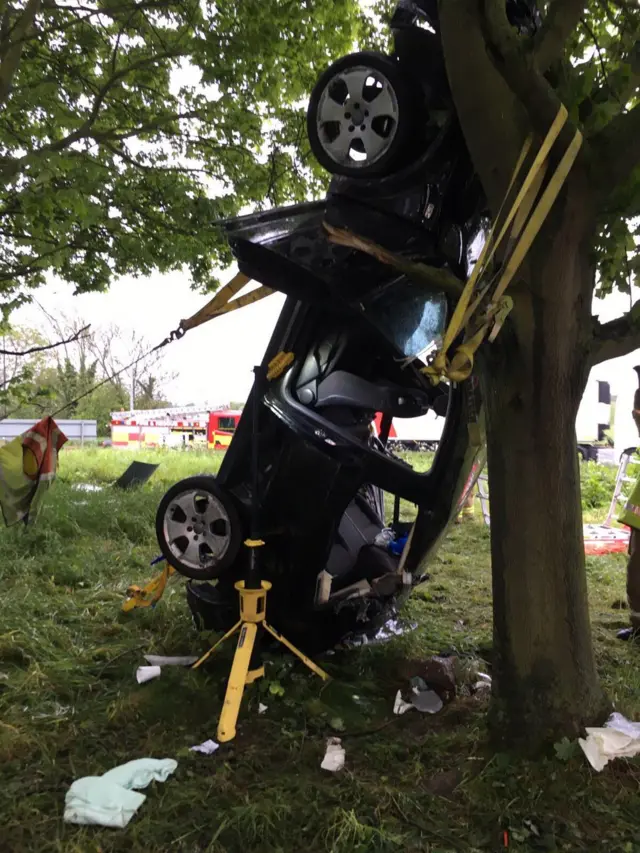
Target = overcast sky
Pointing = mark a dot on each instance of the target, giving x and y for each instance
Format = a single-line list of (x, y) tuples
[(213, 363)]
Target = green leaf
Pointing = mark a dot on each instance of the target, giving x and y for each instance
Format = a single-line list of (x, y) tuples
[(566, 749)]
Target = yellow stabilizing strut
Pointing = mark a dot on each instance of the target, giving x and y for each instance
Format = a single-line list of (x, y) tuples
[(523, 222), (253, 611)]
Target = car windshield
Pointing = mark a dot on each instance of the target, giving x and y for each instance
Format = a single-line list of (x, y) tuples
[(409, 316)]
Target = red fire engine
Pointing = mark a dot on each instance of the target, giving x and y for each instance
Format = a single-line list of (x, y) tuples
[(190, 426)]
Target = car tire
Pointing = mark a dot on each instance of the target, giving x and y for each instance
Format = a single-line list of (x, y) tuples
[(338, 143), (198, 528)]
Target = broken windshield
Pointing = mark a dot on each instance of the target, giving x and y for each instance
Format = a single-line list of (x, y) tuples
[(409, 316)]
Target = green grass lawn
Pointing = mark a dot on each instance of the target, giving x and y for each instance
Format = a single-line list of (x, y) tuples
[(70, 706)]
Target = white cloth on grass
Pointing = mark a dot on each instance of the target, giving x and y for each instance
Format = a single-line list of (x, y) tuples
[(109, 800)]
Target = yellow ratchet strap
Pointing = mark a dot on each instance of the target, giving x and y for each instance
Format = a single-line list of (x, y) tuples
[(523, 223), (149, 595), (223, 301)]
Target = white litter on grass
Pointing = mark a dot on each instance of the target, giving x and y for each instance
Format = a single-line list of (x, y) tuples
[(334, 756), (399, 705), (482, 676), (206, 748), (87, 487), (262, 708), (162, 660), (426, 701), (146, 673), (619, 738)]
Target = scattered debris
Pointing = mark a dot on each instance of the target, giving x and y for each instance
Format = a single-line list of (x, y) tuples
[(440, 674), (399, 705), (262, 708), (483, 684), (136, 474), (392, 628), (206, 748), (334, 756), (161, 660), (58, 712), (426, 701), (109, 800), (87, 487), (146, 673), (619, 738)]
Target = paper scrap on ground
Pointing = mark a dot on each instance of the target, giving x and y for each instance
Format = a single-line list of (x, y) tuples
[(162, 660), (426, 701), (399, 705), (334, 756), (87, 487), (619, 738), (109, 800), (146, 673), (206, 748), (262, 708)]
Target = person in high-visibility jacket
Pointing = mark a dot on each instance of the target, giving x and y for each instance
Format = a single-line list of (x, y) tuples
[(631, 517), (468, 507)]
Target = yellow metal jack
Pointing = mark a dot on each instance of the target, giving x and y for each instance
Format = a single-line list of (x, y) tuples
[(253, 608)]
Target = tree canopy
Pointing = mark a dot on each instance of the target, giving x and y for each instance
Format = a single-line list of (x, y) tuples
[(128, 127)]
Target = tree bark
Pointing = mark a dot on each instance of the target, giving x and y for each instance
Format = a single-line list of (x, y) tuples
[(534, 375)]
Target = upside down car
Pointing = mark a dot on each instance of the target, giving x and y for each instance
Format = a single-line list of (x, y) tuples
[(360, 332)]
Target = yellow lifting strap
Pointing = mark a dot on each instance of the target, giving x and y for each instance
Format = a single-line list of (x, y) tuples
[(522, 223), (223, 301), (148, 595)]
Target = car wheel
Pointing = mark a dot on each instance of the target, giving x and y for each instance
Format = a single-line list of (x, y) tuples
[(361, 115), (198, 528)]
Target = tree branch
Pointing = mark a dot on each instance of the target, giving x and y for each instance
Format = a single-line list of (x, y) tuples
[(30, 351), (616, 338), (12, 55), (617, 152), (562, 19), (440, 279), (521, 72)]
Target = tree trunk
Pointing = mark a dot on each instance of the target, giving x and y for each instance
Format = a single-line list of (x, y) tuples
[(534, 375)]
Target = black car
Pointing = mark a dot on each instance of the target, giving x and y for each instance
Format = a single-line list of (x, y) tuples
[(359, 333)]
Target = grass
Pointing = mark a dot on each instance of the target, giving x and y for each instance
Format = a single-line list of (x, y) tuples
[(70, 707)]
